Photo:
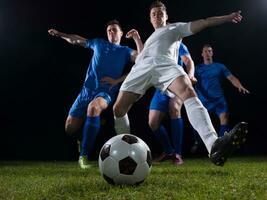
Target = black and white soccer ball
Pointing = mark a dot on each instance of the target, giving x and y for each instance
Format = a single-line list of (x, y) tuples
[(125, 160)]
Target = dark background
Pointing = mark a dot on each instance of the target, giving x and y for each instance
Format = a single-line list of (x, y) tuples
[(40, 76)]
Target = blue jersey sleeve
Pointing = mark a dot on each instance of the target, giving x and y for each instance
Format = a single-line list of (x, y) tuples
[(226, 72), (183, 51), (90, 43)]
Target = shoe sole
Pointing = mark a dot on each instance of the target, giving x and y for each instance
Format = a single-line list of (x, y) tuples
[(238, 138)]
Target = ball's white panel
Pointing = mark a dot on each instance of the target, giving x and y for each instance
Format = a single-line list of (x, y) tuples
[(144, 144), (141, 172), (111, 140), (124, 180), (109, 167), (138, 152), (119, 149)]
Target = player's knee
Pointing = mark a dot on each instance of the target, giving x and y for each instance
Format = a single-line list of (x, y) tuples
[(119, 111), (70, 129), (154, 125), (93, 110), (72, 125), (188, 92)]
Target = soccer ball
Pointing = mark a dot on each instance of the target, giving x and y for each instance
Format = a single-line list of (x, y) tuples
[(125, 160)]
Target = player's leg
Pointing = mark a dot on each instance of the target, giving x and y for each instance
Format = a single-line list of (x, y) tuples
[(92, 124), (223, 114), (159, 106), (73, 124), (197, 113), (177, 128), (121, 107), (219, 148), (224, 123), (161, 134)]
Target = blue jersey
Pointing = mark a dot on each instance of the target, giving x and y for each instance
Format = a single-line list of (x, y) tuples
[(209, 78), (160, 101), (108, 60)]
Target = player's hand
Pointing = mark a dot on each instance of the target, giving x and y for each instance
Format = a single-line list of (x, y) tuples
[(235, 17), (133, 34), (193, 80), (109, 80), (53, 32), (243, 90)]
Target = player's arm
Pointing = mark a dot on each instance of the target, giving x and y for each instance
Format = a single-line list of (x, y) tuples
[(70, 38), (201, 24), (235, 81), (190, 67), (138, 42)]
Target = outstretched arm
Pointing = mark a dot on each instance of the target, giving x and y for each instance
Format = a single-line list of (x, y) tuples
[(201, 24), (235, 81), (70, 38), (138, 42)]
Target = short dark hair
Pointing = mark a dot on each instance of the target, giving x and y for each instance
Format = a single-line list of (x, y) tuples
[(157, 4), (206, 46), (112, 22)]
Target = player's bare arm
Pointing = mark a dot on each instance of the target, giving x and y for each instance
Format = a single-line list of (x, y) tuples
[(138, 42), (190, 67), (201, 24), (70, 38), (235, 81)]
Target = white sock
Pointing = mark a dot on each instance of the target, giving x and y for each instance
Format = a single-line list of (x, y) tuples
[(200, 120), (122, 124)]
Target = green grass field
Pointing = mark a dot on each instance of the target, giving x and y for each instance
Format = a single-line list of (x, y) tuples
[(240, 178)]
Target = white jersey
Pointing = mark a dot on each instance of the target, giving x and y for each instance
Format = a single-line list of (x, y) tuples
[(165, 41), (156, 65)]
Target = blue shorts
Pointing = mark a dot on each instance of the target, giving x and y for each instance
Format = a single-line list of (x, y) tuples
[(218, 105), (80, 105), (160, 102)]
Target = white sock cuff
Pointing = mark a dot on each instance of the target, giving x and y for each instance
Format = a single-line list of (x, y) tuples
[(191, 101), (122, 124)]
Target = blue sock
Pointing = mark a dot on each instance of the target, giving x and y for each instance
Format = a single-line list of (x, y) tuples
[(90, 131), (177, 132), (223, 128), (162, 136)]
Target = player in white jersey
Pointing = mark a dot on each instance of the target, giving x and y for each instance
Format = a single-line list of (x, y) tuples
[(157, 66)]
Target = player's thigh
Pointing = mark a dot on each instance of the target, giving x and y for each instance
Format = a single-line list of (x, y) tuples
[(182, 87), (124, 102)]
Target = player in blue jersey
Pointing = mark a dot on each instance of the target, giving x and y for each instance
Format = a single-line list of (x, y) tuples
[(101, 84), (209, 87), (157, 66), (161, 104)]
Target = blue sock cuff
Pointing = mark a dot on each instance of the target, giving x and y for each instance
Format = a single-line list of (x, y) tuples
[(180, 119)]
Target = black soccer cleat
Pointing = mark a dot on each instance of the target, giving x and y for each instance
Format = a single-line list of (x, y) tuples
[(226, 144)]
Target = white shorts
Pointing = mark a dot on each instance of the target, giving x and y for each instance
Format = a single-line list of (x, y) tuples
[(157, 72)]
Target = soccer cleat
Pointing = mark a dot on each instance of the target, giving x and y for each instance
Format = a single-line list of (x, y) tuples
[(226, 144), (177, 159), (162, 157), (83, 162)]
